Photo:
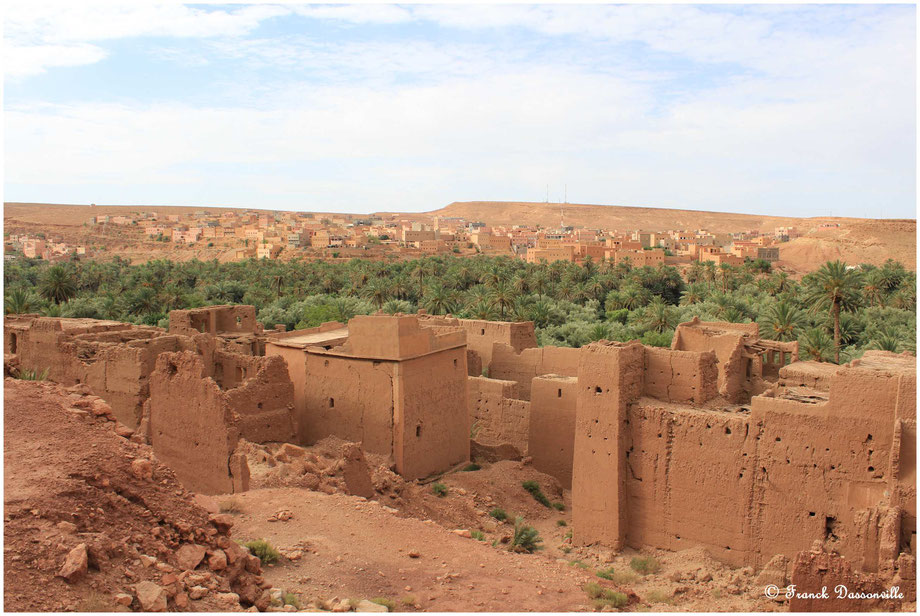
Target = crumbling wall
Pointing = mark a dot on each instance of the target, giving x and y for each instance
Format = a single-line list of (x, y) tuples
[(192, 428), (551, 439), (726, 340), (521, 367), (227, 319), (264, 403), (481, 336), (680, 376), (610, 377), (749, 484), (499, 424), (431, 433)]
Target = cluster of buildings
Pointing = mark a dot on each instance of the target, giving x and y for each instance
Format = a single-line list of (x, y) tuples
[(265, 234), (33, 247), (724, 441)]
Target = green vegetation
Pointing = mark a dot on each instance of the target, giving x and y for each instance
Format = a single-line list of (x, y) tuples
[(617, 577), (471, 467), (231, 505), (439, 489), (290, 598), (526, 538), (387, 603), (534, 488), (32, 375), (645, 565), (559, 506), (578, 563), (264, 550), (478, 535), (561, 523), (604, 596), (833, 311), (499, 514)]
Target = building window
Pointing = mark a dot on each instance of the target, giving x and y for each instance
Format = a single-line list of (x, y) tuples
[(331, 402)]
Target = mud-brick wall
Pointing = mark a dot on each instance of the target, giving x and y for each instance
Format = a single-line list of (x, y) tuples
[(688, 480), (728, 347), (610, 376), (264, 403), (497, 421), (552, 425), (191, 427), (481, 335), (430, 415), (347, 397), (680, 376), (509, 365)]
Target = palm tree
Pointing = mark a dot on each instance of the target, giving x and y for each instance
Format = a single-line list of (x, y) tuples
[(482, 310), (18, 301), (377, 292), (57, 284), (783, 322), (438, 300), (502, 296), (834, 287), (659, 316), (693, 294), (816, 344)]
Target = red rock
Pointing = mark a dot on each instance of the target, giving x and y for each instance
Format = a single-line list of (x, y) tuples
[(217, 560), (190, 556), (222, 522), (75, 563)]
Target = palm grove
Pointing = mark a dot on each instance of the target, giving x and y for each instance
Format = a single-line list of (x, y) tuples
[(835, 312)]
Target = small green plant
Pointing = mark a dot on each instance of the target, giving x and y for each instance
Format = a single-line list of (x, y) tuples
[(561, 523), (478, 535), (33, 375), (566, 549), (499, 514), (387, 603), (568, 535), (471, 467), (290, 598), (264, 550), (474, 429), (659, 596), (617, 577), (534, 488), (439, 489), (559, 506), (645, 565), (579, 564), (604, 596), (408, 601), (526, 538)]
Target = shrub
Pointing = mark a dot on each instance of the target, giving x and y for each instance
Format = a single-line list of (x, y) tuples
[(290, 598), (645, 565), (659, 596), (604, 596), (408, 600), (526, 538), (534, 488), (478, 535), (561, 523), (32, 375), (231, 505), (579, 564), (264, 550), (499, 514), (387, 603), (439, 489), (566, 549), (471, 467), (617, 577), (559, 506)]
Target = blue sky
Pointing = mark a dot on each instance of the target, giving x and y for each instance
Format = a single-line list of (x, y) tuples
[(805, 110)]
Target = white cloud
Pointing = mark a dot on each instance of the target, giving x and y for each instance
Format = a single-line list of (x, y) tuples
[(41, 35)]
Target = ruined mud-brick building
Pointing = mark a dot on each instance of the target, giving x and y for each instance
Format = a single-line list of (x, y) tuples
[(385, 381), (724, 440)]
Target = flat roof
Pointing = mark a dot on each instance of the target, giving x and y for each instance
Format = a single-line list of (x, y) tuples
[(313, 339)]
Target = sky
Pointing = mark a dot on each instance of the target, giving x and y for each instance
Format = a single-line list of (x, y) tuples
[(796, 110)]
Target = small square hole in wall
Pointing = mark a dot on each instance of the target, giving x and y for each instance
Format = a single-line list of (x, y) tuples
[(597, 390), (331, 402), (483, 332), (559, 393), (455, 363)]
